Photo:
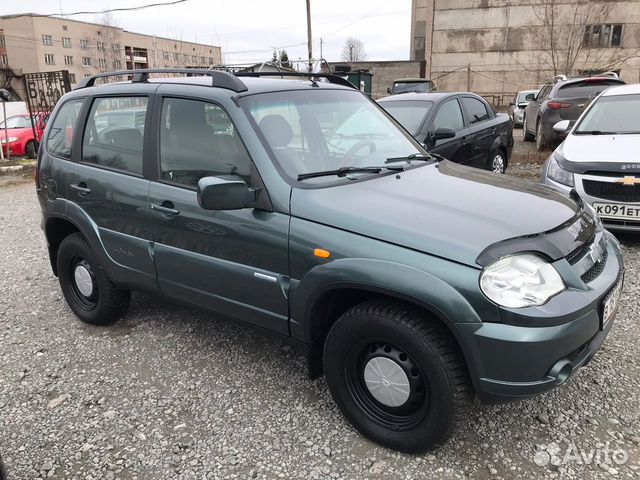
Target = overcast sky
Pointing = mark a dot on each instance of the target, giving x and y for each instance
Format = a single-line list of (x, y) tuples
[(248, 29)]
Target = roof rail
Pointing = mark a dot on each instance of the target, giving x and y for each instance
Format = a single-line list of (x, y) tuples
[(311, 75), (608, 74), (218, 78), (559, 78)]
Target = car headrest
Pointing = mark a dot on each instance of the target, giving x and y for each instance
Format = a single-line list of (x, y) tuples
[(277, 130)]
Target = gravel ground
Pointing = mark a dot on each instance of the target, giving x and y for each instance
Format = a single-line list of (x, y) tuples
[(174, 392)]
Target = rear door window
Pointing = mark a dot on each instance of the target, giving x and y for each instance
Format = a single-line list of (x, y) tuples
[(114, 133), (61, 132), (476, 110), (449, 115)]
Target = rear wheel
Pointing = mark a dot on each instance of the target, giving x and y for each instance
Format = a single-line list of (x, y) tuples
[(497, 162), (30, 149), (87, 289), (396, 375), (528, 137), (541, 141)]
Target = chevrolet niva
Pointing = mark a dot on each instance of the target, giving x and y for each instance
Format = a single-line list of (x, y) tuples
[(301, 207)]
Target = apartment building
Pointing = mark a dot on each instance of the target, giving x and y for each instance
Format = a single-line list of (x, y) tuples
[(498, 47), (31, 43)]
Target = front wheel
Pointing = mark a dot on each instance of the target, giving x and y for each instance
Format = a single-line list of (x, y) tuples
[(396, 375), (541, 141), (89, 292), (30, 149), (497, 162), (528, 137)]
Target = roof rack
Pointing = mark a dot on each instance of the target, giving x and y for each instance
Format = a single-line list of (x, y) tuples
[(218, 78), (311, 75)]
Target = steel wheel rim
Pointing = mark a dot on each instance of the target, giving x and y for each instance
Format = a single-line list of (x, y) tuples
[(497, 165), (406, 410), (84, 287)]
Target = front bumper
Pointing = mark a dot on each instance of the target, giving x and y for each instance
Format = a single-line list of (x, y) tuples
[(609, 223), (518, 117), (538, 348)]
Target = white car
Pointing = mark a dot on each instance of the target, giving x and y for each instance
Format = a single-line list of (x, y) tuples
[(518, 105), (600, 158)]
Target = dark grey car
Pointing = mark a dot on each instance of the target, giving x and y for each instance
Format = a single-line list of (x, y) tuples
[(302, 208), (563, 100)]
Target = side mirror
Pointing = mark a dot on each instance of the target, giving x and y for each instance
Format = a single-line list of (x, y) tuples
[(563, 126), (530, 97), (228, 192), (512, 104), (442, 133), (389, 90)]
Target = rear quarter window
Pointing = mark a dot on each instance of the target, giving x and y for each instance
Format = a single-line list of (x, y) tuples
[(62, 128)]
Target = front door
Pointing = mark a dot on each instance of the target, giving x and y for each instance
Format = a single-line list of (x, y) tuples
[(449, 115), (231, 261)]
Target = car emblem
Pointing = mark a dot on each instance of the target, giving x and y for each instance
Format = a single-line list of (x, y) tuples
[(629, 181), (595, 252)]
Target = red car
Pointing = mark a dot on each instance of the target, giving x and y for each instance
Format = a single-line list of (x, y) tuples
[(21, 142)]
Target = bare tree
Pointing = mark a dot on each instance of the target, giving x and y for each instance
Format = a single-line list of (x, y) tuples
[(576, 36), (108, 51), (353, 50)]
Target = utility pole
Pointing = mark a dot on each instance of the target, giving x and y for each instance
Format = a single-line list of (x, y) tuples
[(309, 44), (321, 57)]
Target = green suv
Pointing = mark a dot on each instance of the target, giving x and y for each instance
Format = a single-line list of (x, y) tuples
[(301, 207)]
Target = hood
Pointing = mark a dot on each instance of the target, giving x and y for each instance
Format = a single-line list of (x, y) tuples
[(15, 132), (615, 153), (444, 209)]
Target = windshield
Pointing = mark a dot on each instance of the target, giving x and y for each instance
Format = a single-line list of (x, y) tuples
[(405, 87), (317, 130), (410, 113), (522, 97), (17, 122), (615, 115)]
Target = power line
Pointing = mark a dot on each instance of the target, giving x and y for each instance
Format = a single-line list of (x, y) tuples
[(122, 9)]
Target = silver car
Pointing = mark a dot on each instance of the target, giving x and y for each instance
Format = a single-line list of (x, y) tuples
[(600, 158), (518, 105)]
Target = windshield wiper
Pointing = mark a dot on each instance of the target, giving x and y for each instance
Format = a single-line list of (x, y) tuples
[(408, 158), (594, 132), (344, 171)]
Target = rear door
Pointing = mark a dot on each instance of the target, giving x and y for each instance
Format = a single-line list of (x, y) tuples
[(231, 261), (533, 109), (482, 132), (571, 99), (109, 186)]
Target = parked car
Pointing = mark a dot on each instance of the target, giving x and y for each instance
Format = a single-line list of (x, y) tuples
[(462, 127), (563, 100), (516, 108), (19, 130), (408, 85), (600, 158), (412, 283)]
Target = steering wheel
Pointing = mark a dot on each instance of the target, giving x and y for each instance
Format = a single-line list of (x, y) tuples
[(348, 159)]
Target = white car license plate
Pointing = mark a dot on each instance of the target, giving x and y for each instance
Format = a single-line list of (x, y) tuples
[(617, 210), (611, 302)]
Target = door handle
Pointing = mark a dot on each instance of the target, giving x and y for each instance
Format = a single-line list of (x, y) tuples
[(81, 188), (166, 208)]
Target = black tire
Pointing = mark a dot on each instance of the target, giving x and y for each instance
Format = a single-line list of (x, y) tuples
[(106, 303), (428, 356), (497, 161), (541, 141), (528, 137), (30, 149)]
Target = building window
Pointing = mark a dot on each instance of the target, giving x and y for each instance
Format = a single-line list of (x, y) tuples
[(68, 60), (48, 59), (84, 43), (202, 60), (100, 45), (1, 39), (86, 61), (66, 42), (47, 40), (165, 56), (3, 59), (176, 56), (210, 60), (117, 64), (115, 47), (102, 63), (72, 78), (64, 27), (603, 36)]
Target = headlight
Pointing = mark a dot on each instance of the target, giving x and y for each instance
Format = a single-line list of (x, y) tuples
[(520, 281), (557, 173), (9, 140)]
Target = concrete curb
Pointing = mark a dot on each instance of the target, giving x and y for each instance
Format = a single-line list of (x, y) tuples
[(13, 169)]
